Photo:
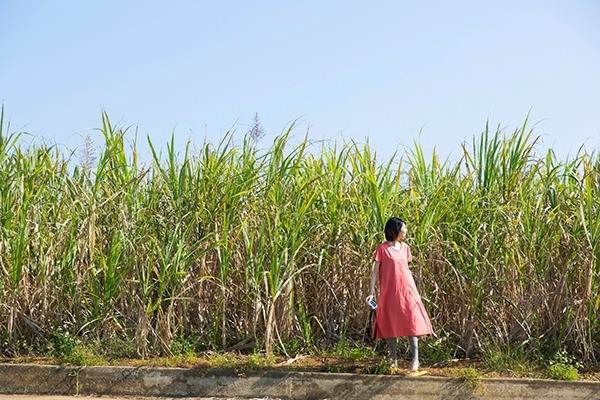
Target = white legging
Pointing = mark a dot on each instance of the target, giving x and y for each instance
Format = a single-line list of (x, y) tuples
[(414, 347)]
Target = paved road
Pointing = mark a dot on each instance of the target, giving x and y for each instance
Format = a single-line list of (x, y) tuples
[(44, 397), (38, 397)]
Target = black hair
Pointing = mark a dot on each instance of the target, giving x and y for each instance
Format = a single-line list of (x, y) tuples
[(393, 228)]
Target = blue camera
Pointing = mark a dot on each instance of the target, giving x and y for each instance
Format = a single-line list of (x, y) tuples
[(372, 304)]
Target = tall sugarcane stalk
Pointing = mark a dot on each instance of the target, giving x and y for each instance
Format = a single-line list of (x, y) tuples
[(237, 245)]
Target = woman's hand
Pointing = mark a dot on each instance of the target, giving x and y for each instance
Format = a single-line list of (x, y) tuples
[(371, 301)]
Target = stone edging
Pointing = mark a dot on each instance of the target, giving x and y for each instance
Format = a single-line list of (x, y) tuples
[(178, 382)]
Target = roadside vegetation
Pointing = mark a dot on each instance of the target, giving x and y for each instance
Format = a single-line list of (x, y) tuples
[(230, 248)]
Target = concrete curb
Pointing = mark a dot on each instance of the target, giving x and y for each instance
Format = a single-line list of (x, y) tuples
[(178, 382)]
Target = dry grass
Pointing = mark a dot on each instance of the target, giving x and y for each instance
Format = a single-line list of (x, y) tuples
[(268, 249)]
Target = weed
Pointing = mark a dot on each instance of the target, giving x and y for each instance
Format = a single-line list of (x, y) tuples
[(181, 345), (381, 368), (254, 361), (292, 347), (509, 358), (563, 366), (63, 342), (349, 350), (563, 372), (82, 355), (470, 377), (239, 362), (333, 368), (565, 358), (222, 360), (471, 380), (116, 347), (436, 350)]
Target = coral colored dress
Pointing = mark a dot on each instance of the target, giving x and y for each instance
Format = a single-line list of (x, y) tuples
[(400, 311)]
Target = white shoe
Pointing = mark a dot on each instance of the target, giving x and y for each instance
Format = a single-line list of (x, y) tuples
[(394, 364), (415, 365)]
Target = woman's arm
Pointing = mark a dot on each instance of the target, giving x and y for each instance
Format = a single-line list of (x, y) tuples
[(374, 278)]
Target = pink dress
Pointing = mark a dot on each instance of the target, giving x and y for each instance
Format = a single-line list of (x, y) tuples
[(400, 311)]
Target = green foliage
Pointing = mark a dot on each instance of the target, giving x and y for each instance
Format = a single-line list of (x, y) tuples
[(436, 349), (348, 349), (563, 366), (254, 361), (238, 362), (470, 377), (82, 355), (63, 342), (293, 347), (563, 357), (69, 349), (470, 373), (516, 358), (114, 348), (184, 346), (223, 360), (563, 372), (381, 368), (228, 241)]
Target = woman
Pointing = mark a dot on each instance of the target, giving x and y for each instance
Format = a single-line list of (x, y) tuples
[(400, 311)]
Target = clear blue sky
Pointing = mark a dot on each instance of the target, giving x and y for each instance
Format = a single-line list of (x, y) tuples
[(389, 71)]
